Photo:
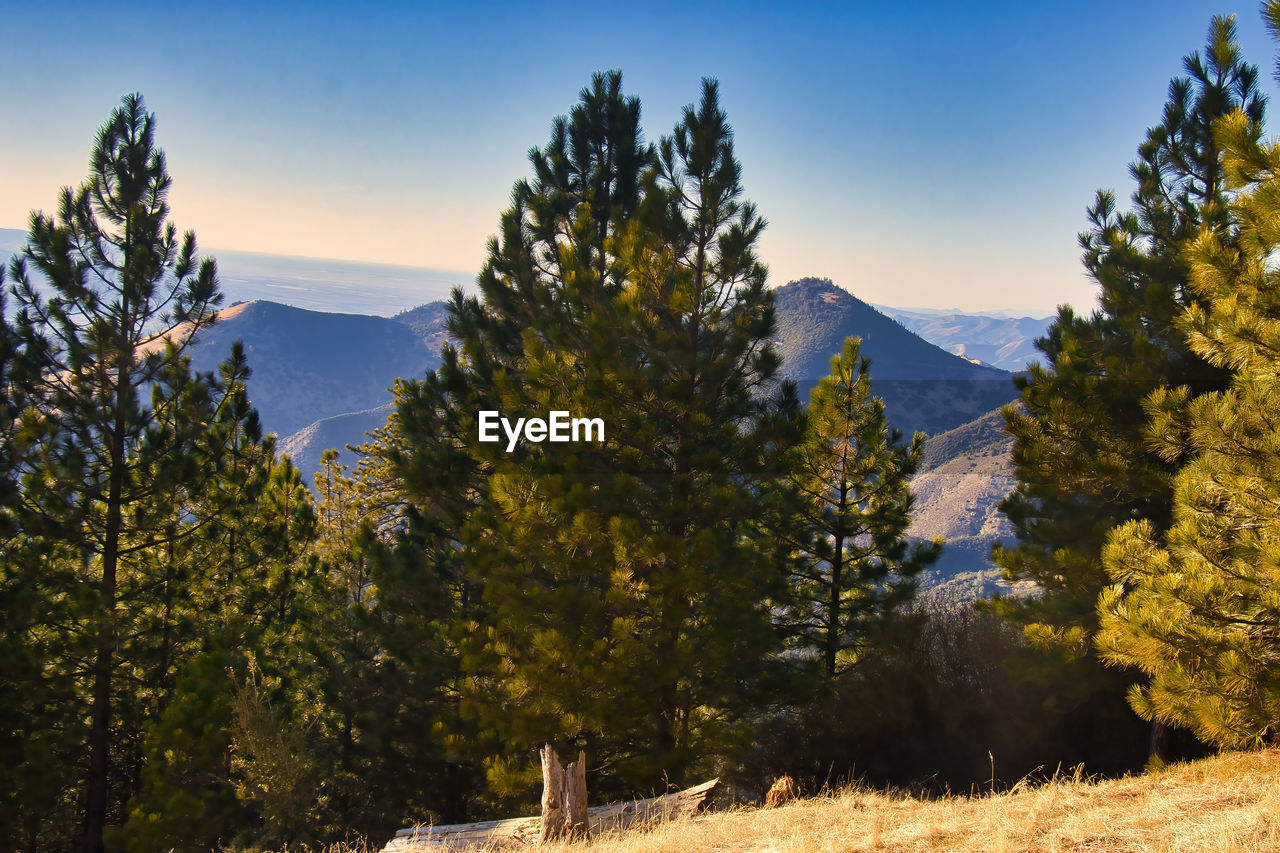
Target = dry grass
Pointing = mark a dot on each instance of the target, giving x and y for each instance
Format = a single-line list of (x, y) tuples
[(1224, 804)]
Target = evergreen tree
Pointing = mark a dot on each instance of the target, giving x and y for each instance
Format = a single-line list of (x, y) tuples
[(622, 609), (232, 593), (428, 604), (1080, 452), (1198, 609), (36, 695), (384, 743), (123, 440), (847, 506)]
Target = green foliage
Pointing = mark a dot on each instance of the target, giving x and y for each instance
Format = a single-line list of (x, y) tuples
[(237, 601), (149, 538), (615, 601), (1080, 454), (382, 711), (846, 508), (114, 274), (1198, 610)]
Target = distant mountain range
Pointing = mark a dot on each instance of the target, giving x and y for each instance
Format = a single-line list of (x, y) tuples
[(1000, 341), (324, 380), (317, 376)]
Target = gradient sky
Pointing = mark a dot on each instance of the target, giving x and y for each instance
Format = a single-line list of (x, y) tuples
[(922, 154)]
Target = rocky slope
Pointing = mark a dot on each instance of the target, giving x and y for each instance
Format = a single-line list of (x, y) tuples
[(962, 478)]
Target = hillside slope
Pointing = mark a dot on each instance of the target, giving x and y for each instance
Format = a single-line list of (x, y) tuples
[(962, 478), (1225, 804), (923, 386), (307, 445)]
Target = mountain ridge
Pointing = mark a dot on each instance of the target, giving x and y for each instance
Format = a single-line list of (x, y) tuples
[(1007, 342), (312, 366)]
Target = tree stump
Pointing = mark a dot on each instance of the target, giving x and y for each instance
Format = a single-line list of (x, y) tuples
[(564, 797), (552, 795), (783, 791), (576, 825)]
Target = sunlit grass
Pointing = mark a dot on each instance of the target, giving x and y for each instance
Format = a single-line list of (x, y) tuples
[(1225, 804)]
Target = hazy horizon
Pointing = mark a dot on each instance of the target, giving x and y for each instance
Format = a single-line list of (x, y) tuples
[(340, 285), (928, 155)]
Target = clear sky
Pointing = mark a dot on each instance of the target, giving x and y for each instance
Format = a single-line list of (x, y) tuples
[(918, 154)]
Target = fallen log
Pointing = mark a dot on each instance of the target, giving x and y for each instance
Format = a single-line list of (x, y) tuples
[(525, 831)]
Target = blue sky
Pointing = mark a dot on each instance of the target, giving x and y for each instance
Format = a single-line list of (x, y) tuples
[(923, 154)]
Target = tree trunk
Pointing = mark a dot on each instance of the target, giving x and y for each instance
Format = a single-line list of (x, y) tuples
[(97, 785), (1159, 745)]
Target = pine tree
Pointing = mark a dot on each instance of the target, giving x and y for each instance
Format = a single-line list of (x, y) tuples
[(231, 594), (1198, 610), (1080, 452), (36, 695), (846, 508), (621, 608), (384, 736), (109, 299), (428, 605)]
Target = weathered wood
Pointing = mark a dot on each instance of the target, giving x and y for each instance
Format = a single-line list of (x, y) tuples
[(522, 831), (553, 805), (576, 825), (782, 792)]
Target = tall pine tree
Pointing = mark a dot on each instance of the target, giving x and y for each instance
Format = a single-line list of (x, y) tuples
[(130, 458), (1080, 452), (620, 607), (1198, 609)]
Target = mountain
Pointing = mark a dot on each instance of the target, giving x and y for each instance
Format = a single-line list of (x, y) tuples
[(1000, 341), (310, 365), (11, 241), (321, 380), (924, 387), (427, 322)]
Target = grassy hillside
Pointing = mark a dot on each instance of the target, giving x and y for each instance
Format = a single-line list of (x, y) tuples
[(1221, 804)]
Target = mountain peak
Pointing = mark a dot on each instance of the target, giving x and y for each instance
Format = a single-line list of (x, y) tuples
[(923, 386), (814, 317)]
